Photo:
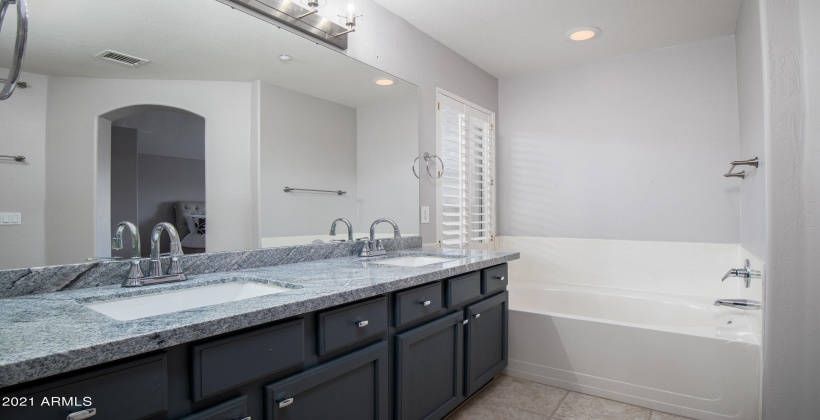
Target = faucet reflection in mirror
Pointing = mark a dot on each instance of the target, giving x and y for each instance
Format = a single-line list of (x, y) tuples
[(155, 275), (349, 228), (134, 272)]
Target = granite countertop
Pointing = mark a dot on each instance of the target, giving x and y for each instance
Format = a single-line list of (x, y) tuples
[(52, 333)]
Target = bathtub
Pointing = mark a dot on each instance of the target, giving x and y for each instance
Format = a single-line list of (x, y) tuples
[(674, 353)]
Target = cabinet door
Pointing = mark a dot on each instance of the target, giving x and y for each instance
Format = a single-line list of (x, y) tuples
[(135, 389), (429, 365), (486, 351), (351, 387)]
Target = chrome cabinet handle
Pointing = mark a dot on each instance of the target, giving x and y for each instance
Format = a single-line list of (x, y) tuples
[(477, 315), (502, 278), (82, 414), (286, 402), (465, 322), (362, 323), (19, 44), (425, 303)]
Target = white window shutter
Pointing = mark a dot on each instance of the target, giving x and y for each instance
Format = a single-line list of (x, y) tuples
[(467, 185)]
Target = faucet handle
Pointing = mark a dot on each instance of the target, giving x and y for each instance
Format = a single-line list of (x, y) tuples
[(116, 243), (173, 267), (379, 245)]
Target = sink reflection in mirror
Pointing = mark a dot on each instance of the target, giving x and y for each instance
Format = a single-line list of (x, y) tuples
[(175, 300), (317, 121)]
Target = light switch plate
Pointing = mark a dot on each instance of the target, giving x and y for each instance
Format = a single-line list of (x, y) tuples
[(425, 214), (11, 219)]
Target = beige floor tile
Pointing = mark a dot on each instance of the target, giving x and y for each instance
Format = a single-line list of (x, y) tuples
[(480, 409), (657, 415), (531, 396), (586, 407)]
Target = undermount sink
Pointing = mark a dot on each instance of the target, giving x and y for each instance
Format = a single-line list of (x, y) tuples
[(414, 261), (142, 306)]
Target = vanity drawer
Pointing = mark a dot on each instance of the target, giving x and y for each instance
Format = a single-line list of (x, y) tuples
[(462, 288), (418, 303), (234, 409), (494, 279), (352, 323), (131, 390), (223, 364)]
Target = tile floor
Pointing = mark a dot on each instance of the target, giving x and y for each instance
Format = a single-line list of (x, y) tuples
[(513, 398)]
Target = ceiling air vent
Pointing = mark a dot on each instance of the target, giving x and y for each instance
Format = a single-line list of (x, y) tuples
[(128, 60)]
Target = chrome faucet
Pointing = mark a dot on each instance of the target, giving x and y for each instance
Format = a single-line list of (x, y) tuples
[(155, 275), (745, 304), (134, 272), (349, 228), (375, 247), (745, 273)]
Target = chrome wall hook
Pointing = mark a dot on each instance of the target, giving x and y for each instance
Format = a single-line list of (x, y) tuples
[(742, 174)]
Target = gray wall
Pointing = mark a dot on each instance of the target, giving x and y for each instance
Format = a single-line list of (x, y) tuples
[(168, 133), (305, 142), (22, 189), (750, 96), (164, 180), (629, 148), (791, 351), (390, 43), (387, 141), (124, 183)]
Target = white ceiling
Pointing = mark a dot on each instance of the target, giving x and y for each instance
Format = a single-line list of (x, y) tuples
[(188, 40), (516, 37)]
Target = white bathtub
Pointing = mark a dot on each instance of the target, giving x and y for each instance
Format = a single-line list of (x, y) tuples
[(673, 353)]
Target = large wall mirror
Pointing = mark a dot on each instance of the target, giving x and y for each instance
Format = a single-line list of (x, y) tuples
[(224, 113)]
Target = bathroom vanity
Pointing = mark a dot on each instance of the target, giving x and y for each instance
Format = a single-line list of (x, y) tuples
[(353, 339)]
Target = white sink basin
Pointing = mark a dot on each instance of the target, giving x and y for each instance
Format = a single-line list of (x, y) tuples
[(142, 306), (414, 261)]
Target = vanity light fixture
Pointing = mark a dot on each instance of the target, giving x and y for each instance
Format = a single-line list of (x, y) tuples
[(300, 15), (313, 7), (384, 81), (583, 33), (349, 20), (285, 58)]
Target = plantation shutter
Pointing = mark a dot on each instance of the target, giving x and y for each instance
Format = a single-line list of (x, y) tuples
[(467, 196)]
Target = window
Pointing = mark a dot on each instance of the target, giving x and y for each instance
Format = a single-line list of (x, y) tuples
[(466, 189)]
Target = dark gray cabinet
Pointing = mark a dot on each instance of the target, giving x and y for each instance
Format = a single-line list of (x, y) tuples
[(133, 390), (352, 387), (429, 362), (415, 353), (486, 341)]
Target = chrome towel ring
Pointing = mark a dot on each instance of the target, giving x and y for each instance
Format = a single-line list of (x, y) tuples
[(427, 158), (19, 44)]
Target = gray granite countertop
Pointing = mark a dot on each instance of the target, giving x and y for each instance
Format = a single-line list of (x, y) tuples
[(47, 334)]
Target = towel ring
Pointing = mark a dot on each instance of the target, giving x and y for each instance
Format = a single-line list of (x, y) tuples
[(19, 45), (428, 157)]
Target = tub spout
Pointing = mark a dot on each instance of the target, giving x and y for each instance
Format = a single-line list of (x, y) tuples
[(745, 304)]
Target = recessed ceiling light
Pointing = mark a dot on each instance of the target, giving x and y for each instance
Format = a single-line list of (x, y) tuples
[(583, 33), (285, 58), (384, 81)]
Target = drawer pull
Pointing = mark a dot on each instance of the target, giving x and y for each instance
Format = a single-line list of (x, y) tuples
[(425, 303), (502, 278), (82, 414), (465, 322), (244, 418), (362, 324), (477, 315), (285, 403)]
